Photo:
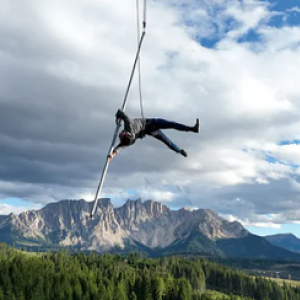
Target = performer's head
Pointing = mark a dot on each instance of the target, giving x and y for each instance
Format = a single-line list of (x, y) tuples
[(125, 137)]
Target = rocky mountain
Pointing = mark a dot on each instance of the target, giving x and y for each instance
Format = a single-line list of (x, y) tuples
[(142, 226), (287, 241)]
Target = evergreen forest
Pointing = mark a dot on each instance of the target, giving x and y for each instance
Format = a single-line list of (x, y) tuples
[(80, 276)]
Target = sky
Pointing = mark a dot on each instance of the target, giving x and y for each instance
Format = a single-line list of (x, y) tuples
[(64, 68)]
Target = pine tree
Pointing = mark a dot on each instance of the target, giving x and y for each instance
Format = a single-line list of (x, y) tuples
[(185, 290), (120, 292), (158, 288), (77, 292), (133, 296), (146, 287)]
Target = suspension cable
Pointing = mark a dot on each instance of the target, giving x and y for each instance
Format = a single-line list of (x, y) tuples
[(139, 60)]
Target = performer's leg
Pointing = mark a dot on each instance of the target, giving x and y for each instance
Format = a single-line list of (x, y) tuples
[(155, 124), (159, 135)]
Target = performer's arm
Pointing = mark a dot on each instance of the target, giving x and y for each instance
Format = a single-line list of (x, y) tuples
[(123, 116), (116, 151)]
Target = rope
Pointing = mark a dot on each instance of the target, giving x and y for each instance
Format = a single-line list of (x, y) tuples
[(139, 61), (105, 168)]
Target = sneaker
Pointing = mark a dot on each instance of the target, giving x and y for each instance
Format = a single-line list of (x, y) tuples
[(196, 127), (182, 152)]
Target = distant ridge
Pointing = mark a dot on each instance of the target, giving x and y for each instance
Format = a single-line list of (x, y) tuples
[(286, 240)]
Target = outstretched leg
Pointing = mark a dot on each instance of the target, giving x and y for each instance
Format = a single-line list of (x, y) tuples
[(159, 135), (156, 124)]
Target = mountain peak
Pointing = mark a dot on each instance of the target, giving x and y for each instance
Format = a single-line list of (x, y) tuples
[(105, 202), (281, 236)]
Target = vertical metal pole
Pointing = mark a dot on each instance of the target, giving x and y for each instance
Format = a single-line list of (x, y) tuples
[(105, 168)]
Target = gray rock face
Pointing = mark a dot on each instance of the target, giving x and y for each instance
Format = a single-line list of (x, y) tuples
[(152, 224)]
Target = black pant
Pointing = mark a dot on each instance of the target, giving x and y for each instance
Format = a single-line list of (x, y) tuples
[(155, 124)]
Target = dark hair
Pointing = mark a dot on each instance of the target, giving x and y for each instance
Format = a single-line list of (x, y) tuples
[(126, 140), (125, 137)]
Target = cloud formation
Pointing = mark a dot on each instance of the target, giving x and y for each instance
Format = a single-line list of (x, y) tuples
[(64, 68)]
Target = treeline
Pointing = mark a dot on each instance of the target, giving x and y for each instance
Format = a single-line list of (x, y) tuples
[(113, 277), (282, 267)]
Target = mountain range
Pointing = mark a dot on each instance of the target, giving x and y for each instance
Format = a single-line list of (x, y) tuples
[(136, 226)]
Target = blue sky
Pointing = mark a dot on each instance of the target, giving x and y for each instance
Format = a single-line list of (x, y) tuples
[(16, 202), (284, 13), (285, 228), (65, 68)]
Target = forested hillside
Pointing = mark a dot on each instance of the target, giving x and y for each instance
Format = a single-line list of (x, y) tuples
[(114, 277)]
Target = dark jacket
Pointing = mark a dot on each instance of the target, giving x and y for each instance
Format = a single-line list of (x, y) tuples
[(136, 127)]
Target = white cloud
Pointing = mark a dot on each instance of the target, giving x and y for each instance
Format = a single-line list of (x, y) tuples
[(6, 209), (248, 14), (279, 39), (65, 67), (263, 225), (294, 9), (289, 153)]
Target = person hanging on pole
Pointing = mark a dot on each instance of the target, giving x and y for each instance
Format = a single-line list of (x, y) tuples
[(138, 128)]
